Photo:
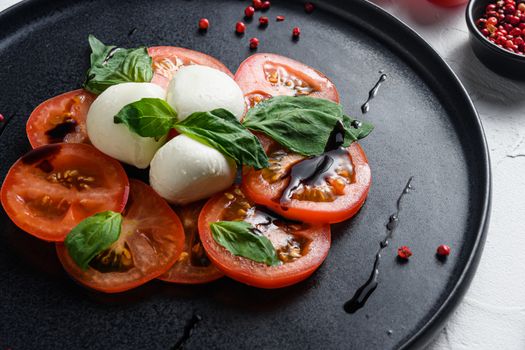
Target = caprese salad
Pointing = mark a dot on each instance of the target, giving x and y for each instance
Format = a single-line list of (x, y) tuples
[(246, 171)]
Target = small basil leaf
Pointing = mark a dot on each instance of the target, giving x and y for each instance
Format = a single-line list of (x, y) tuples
[(355, 129), (239, 238), (92, 236), (221, 130), (302, 124), (111, 65), (148, 117)]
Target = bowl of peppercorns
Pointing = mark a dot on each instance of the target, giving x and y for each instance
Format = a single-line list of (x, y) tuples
[(497, 35)]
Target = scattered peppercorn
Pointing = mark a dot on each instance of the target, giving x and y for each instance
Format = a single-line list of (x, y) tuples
[(2, 118), (258, 4), (443, 250), (309, 7), (204, 24), (249, 11), (296, 32), (404, 252), (254, 43), (263, 21), (266, 5), (240, 27), (503, 23), (280, 18)]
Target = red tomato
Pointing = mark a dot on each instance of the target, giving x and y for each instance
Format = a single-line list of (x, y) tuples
[(168, 59), (265, 75), (150, 242), (60, 119), (337, 198), (301, 247), (52, 188), (193, 265)]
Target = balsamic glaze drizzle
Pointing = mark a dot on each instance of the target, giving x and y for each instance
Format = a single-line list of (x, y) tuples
[(363, 293), (313, 171), (188, 331), (365, 108), (60, 131), (110, 55)]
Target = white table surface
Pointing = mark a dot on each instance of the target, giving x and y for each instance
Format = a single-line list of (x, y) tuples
[(492, 314)]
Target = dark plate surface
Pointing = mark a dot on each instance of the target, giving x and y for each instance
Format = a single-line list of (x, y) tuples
[(426, 127)]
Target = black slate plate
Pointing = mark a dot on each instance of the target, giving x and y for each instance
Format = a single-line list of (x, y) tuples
[(426, 127)]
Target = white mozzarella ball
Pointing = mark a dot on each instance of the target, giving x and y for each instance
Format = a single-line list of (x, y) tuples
[(185, 170), (201, 89), (117, 140)]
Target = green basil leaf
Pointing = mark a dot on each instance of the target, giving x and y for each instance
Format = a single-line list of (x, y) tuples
[(241, 239), (149, 117), (111, 65), (355, 129), (303, 124), (221, 130), (92, 236)]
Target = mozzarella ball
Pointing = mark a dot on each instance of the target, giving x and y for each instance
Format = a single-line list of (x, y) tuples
[(201, 89), (185, 170), (117, 140)]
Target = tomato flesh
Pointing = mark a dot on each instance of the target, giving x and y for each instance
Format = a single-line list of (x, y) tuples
[(334, 197), (167, 60), (193, 265), (151, 240), (264, 75), (52, 188), (301, 248), (60, 119)]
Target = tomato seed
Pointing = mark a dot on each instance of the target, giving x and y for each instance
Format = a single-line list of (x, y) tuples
[(404, 252), (240, 27), (204, 24), (443, 250)]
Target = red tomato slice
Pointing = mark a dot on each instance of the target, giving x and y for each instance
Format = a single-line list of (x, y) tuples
[(264, 75), (60, 119), (150, 242), (193, 265), (337, 197), (168, 59), (301, 247), (52, 188)]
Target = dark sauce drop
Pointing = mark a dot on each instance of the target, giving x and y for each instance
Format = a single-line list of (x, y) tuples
[(363, 293), (313, 171), (47, 152), (373, 93), (59, 132), (110, 55), (188, 331)]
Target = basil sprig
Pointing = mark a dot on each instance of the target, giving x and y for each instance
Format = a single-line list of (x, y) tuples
[(153, 117), (241, 239), (303, 124), (92, 236), (111, 65)]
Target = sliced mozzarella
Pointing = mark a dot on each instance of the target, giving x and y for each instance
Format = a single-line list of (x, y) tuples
[(116, 140), (201, 89), (185, 170)]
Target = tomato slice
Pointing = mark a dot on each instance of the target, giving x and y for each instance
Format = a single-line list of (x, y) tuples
[(151, 240), (264, 75), (60, 119), (193, 265), (301, 247), (168, 59), (52, 188), (335, 196)]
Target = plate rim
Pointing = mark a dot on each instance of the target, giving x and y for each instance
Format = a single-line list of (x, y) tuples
[(430, 329)]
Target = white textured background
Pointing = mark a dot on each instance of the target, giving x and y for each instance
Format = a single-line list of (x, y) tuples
[(492, 315)]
